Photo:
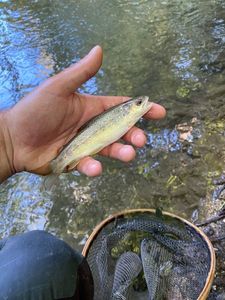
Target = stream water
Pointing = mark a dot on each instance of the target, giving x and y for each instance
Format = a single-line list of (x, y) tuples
[(171, 50)]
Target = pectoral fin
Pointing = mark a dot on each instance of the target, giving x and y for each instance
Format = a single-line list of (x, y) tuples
[(70, 167)]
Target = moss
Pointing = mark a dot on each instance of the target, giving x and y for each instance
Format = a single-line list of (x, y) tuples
[(183, 92)]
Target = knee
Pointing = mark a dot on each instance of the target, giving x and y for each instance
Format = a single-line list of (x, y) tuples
[(37, 263)]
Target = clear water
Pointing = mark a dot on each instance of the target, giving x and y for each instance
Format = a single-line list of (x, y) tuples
[(172, 50)]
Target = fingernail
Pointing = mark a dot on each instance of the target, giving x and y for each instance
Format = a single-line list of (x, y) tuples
[(93, 49), (92, 168), (138, 139), (126, 153)]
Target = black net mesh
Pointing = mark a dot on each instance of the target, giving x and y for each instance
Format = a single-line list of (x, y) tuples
[(142, 256)]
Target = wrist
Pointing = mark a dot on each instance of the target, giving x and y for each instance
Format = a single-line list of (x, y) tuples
[(6, 149)]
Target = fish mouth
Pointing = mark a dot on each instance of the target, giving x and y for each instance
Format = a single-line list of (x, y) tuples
[(146, 101)]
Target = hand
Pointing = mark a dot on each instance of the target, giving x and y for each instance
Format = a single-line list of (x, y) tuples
[(38, 126)]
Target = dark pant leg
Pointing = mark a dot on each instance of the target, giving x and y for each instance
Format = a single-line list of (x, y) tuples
[(38, 266)]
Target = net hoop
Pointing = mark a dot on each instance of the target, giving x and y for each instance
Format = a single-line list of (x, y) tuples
[(205, 292)]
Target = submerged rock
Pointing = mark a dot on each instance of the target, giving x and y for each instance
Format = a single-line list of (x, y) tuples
[(212, 213)]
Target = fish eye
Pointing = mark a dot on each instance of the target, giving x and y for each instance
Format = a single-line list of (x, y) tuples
[(139, 103)]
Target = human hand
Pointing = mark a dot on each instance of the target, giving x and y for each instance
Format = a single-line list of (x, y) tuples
[(37, 127)]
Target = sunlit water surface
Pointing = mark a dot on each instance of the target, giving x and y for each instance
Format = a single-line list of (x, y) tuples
[(171, 50)]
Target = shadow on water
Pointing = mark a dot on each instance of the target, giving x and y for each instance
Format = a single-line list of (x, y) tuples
[(173, 51)]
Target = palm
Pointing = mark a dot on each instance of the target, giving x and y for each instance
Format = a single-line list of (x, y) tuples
[(51, 115)]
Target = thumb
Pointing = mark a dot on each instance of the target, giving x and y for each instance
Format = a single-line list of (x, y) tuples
[(74, 76)]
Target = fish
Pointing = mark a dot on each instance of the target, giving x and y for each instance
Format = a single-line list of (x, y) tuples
[(100, 132)]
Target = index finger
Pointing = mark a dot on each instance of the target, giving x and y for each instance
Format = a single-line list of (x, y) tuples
[(156, 112)]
